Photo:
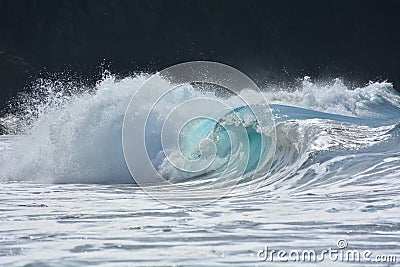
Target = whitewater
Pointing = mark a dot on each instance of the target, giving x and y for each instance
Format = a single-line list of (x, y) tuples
[(325, 169)]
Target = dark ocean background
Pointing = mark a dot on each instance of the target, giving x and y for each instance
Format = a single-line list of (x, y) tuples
[(272, 41)]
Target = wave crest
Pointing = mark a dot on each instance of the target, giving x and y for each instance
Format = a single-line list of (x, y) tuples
[(66, 137)]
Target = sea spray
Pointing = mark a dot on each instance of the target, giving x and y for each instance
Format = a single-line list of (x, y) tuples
[(74, 136)]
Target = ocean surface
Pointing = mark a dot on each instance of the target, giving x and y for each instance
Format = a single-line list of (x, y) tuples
[(326, 173)]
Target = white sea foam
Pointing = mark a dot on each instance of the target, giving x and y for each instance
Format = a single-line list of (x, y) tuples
[(377, 99), (76, 138)]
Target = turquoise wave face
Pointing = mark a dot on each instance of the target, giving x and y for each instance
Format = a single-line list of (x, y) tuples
[(220, 135), (234, 145), (285, 113), (236, 137)]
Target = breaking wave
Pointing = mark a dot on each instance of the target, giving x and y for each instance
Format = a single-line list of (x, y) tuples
[(322, 135)]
